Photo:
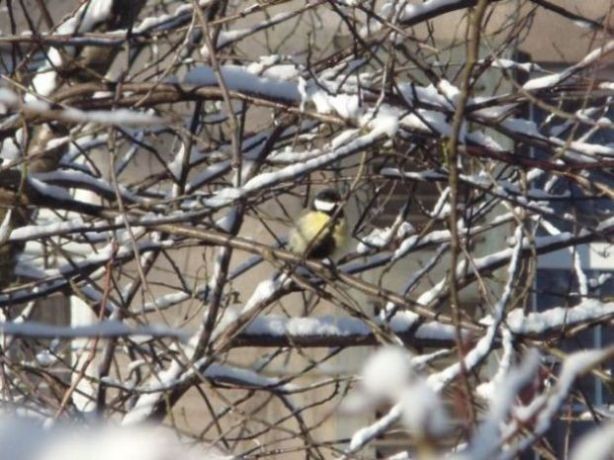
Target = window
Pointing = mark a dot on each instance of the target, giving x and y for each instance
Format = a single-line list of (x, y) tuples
[(566, 277)]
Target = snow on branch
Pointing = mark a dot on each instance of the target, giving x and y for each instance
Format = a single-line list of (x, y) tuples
[(84, 19), (156, 156), (104, 329), (337, 331), (558, 318), (591, 58), (261, 181), (238, 79), (545, 406), (116, 117)]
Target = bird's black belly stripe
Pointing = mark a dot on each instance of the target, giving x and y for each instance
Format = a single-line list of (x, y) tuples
[(323, 247)]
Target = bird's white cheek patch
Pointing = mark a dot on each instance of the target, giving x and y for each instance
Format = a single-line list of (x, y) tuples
[(325, 206)]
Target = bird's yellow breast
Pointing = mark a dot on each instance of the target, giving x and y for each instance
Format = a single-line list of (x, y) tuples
[(312, 228)]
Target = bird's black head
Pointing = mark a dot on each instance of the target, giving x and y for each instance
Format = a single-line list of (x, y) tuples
[(327, 200)]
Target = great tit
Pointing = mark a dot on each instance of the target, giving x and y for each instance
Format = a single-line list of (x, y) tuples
[(321, 230)]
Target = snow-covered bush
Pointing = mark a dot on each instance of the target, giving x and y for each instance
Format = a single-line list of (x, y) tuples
[(156, 153)]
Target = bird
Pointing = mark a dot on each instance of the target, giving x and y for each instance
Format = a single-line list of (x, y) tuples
[(322, 229)]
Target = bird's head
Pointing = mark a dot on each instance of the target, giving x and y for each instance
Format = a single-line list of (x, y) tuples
[(327, 201)]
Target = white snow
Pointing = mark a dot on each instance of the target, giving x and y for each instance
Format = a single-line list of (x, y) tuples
[(25, 439), (287, 72), (487, 439), (485, 345), (411, 11), (8, 99), (574, 365), (549, 81), (488, 390), (382, 237), (85, 18), (264, 291), (116, 117), (423, 411), (527, 67), (237, 78), (384, 120), (596, 445), (546, 81), (425, 175), (163, 21), (244, 377), (5, 226), (544, 407), (520, 125), (51, 191), (263, 180), (387, 373), (207, 174), (229, 36), (585, 147), (145, 404), (344, 105), (364, 435), (46, 358), (32, 232), (81, 180), (520, 322), (342, 138), (428, 95), (342, 326), (223, 197), (405, 12), (101, 329), (450, 91), (175, 166)]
